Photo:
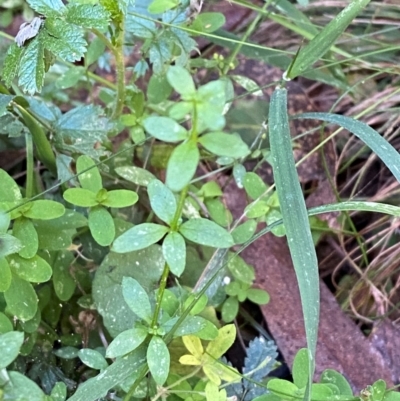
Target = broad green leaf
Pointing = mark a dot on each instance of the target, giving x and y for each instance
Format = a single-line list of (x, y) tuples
[(136, 298), (63, 282), (206, 232), (182, 165), (32, 68), (331, 376), (21, 388), (89, 16), (379, 145), (300, 368), (280, 387), (4, 222), (158, 89), (70, 78), (162, 201), (10, 191), (181, 80), (208, 22), (137, 175), (258, 296), (92, 358), (322, 42), (174, 251), (24, 230), (165, 129), (46, 7), (32, 325), (101, 225), (91, 179), (295, 220), (59, 392), (5, 275), (139, 237), (158, 360), (35, 269), (21, 299), (254, 185), (126, 342), (44, 210), (10, 343), (230, 309), (5, 324), (120, 198), (11, 64), (80, 197), (222, 144), (65, 40), (244, 232), (94, 389), (226, 337), (9, 245)]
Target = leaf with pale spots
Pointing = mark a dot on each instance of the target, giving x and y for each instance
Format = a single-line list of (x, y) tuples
[(10, 343), (162, 201), (136, 298), (92, 358), (174, 251), (158, 359), (35, 270), (89, 175), (126, 342), (165, 129), (139, 237)]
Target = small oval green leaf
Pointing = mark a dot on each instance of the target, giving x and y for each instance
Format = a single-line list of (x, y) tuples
[(158, 359), (101, 225)]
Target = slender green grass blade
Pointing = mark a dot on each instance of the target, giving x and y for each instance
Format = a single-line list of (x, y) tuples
[(295, 219), (379, 145), (321, 43)]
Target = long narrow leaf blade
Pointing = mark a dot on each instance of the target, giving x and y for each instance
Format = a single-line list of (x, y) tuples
[(321, 43), (295, 219), (379, 145)]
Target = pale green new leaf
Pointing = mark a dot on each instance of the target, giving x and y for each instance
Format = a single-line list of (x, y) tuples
[(206, 232), (44, 209), (120, 198), (90, 179), (139, 237)]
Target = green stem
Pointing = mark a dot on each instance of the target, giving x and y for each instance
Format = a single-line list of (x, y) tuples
[(43, 147), (175, 221), (160, 294), (29, 166), (142, 374), (247, 34), (120, 70)]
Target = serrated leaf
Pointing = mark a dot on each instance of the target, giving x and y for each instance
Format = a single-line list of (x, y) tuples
[(90, 179), (136, 298), (160, 54), (222, 144), (21, 299), (46, 7), (182, 165), (120, 198), (162, 201), (165, 129), (64, 40), (24, 230), (126, 342), (92, 358), (35, 270), (139, 237), (11, 64), (80, 197), (158, 360), (32, 69), (206, 232), (81, 128), (44, 210), (101, 225), (89, 16), (140, 27), (10, 343), (174, 251)]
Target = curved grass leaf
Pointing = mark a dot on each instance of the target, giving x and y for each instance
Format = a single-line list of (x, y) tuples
[(295, 220), (379, 145)]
